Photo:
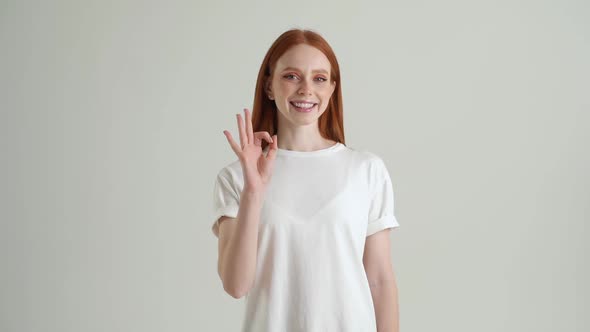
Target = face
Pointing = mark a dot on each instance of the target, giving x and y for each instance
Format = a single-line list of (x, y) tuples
[(301, 86)]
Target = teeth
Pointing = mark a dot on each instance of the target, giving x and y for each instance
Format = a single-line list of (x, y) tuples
[(303, 105)]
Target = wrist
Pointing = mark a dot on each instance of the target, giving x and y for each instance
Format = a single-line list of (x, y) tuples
[(255, 192)]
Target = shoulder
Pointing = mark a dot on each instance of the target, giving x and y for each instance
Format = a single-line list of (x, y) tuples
[(232, 175), (230, 170), (371, 167), (368, 159)]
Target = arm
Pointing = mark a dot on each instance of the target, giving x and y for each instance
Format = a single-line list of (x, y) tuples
[(377, 262), (239, 238), (238, 245)]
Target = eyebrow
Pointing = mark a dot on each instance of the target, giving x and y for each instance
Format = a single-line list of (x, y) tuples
[(313, 71)]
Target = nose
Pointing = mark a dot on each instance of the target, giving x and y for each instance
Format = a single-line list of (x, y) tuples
[(304, 88)]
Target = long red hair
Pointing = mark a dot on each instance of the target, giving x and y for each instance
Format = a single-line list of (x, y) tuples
[(264, 111)]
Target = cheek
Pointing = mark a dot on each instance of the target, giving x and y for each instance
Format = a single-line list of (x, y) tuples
[(283, 86), (326, 92)]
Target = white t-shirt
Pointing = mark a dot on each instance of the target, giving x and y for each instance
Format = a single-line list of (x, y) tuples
[(318, 209)]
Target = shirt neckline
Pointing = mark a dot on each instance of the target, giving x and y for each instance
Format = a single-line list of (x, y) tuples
[(330, 149)]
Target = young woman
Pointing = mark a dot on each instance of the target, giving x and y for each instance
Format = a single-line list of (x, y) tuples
[(302, 219)]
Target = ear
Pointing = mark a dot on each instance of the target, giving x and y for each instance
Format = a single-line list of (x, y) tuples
[(267, 88), (333, 86)]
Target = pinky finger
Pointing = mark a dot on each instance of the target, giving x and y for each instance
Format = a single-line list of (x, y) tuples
[(232, 143)]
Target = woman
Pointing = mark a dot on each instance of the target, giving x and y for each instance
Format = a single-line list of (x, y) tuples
[(303, 220)]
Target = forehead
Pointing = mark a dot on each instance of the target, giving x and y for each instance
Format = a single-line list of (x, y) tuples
[(305, 58)]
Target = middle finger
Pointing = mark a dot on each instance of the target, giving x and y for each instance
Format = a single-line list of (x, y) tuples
[(241, 131), (249, 131)]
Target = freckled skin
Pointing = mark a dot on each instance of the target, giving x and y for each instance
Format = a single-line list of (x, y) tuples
[(301, 83)]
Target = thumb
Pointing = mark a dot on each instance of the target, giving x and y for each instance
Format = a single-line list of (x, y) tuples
[(272, 149)]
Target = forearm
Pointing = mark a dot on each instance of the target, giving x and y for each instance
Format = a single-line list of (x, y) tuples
[(240, 257), (385, 301)]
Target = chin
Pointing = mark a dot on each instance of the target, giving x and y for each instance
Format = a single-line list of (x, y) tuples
[(303, 121)]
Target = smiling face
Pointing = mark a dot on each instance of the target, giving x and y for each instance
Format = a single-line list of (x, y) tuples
[(301, 85)]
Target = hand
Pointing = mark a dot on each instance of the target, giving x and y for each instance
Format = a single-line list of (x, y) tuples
[(256, 167)]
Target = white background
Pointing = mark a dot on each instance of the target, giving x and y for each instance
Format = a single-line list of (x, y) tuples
[(112, 115)]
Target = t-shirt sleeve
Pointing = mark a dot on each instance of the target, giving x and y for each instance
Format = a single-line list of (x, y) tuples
[(381, 205), (226, 199)]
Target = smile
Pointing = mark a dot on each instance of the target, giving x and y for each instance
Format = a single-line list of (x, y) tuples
[(303, 107)]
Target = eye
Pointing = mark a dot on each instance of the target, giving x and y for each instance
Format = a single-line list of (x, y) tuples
[(322, 79), (289, 75)]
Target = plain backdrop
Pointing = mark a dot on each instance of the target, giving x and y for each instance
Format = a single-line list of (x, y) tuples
[(112, 115)]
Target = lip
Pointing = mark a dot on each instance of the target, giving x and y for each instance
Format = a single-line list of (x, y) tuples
[(306, 111), (303, 101)]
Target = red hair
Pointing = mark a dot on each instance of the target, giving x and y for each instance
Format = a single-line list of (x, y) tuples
[(264, 111)]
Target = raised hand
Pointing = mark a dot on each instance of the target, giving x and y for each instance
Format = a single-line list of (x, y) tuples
[(256, 167)]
